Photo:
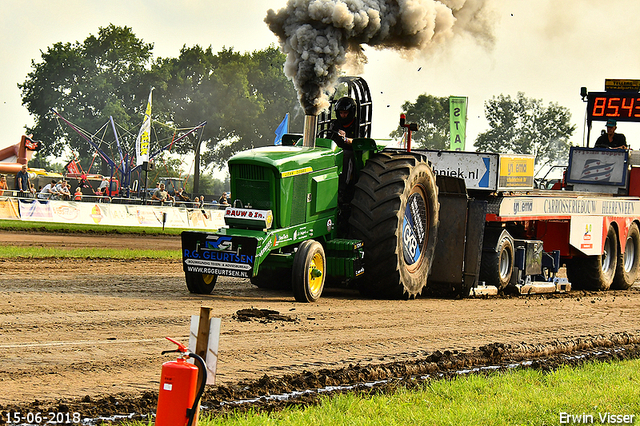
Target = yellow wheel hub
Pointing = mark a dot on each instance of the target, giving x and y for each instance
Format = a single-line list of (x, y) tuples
[(316, 272), (207, 278)]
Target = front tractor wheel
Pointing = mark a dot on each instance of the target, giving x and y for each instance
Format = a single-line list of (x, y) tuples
[(395, 213), (308, 272), (200, 283)]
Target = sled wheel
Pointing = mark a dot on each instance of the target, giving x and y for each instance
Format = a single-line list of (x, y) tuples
[(628, 262), (273, 279), (394, 211), (497, 266), (200, 283), (595, 272), (308, 272)]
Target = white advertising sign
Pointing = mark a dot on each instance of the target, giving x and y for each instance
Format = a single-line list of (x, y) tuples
[(479, 170)]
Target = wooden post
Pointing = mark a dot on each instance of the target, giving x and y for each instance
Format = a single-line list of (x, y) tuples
[(202, 344)]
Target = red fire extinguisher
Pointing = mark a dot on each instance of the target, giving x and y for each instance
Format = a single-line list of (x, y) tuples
[(177, 400)]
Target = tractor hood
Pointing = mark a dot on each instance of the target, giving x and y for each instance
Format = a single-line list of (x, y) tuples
[(289, 160)]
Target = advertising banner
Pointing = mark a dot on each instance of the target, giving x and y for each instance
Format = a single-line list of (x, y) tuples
[(516, 171), (457, 122), (9, 209), (80, 212)]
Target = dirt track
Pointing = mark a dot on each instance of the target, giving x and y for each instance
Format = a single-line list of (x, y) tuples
[(71, 328)]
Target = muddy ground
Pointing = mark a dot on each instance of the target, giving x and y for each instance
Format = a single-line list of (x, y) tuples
[(87, 335)]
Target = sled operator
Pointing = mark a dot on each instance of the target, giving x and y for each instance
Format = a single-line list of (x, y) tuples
[(611, 139)]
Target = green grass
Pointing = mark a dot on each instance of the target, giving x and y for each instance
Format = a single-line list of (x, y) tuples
[(94, 253), (524, 397), (18, 225)]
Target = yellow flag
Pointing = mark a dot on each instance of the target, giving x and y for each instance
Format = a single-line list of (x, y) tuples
[(142, 142)]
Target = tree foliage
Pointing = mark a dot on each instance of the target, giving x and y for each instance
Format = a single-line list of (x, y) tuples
[(431, 113), (87, 83), (525, 126), (242, 96)]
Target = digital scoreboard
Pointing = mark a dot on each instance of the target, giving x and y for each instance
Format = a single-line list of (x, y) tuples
[(621, 106), (620, 101)]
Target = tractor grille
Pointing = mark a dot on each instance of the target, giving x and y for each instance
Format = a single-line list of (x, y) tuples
[(252, 186), (299, 199), (249, 171)]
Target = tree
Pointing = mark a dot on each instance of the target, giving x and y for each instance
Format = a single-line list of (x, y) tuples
[(525, 126), (243, 98), (106, 75), (432, 115)]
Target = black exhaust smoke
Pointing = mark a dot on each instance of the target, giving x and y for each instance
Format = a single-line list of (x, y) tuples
[(320, 36)]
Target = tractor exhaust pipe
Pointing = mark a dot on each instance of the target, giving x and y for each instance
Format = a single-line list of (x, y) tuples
[(310, 129)]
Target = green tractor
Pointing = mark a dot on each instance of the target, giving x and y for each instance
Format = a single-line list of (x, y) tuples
[(287, 228)]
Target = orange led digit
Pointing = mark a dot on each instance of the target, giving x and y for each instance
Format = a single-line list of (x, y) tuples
[(598, 107), (627, 104), (613, 105)]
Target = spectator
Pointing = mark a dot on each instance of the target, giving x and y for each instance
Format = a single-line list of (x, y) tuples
[(200, 201), (32, 190), (181, 196), (48, 191), (3, 184), (63, 191), (22, 180), (77, 196), (223, 199), (104, 184), (161, 194)]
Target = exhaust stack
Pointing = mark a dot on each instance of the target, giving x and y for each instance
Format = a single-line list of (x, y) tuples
[(310, 129)]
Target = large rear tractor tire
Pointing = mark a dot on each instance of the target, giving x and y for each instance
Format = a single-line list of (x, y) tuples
[(595, 272), (628, 262), (308, 272), (200, 283), (395, 212), (496, 266)]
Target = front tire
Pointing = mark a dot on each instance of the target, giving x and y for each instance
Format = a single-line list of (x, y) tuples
[(200, 283), (395, 213), (308, 272), (628, 262)]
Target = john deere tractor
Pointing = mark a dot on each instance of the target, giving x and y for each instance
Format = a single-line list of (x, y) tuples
[(287, 227)]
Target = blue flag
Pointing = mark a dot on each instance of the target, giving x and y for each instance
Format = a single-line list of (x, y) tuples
[(282, 129)]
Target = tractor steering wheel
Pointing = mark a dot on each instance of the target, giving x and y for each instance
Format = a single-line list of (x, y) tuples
[(327, 131)]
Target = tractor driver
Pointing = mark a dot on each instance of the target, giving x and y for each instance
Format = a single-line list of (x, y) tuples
[(344, 127)]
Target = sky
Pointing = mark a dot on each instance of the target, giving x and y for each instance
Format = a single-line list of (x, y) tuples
[(547, 49)]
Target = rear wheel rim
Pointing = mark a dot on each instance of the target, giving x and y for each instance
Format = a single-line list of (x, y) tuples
[(505, 264), (316, 273), (415, 225), (606, 256), (629, 255)]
